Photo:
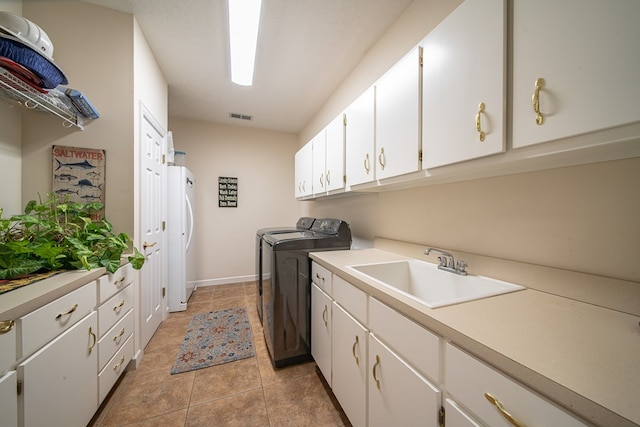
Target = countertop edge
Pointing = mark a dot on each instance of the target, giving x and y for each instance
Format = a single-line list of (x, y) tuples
[(19, 302)]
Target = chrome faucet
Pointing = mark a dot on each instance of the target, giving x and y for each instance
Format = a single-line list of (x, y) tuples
[(448, 263)]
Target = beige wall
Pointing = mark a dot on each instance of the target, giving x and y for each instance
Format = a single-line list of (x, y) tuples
[(10, 142), (582, 218), (100, 64), (263, 163)]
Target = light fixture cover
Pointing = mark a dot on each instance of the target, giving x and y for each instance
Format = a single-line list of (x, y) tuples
[(244, 21)]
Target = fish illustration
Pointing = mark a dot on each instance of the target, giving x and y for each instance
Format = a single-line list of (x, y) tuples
[(78, 165), (85, 183), (90, 197), (67, 191), (94, 174), (66, 177)]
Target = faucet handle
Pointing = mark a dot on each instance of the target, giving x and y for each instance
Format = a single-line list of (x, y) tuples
[(461, 267), (443, 261)]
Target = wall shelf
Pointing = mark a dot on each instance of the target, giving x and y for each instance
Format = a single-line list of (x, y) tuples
[(14, 90)]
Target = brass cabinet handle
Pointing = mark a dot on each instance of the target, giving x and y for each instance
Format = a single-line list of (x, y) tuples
[(68, 312), (322, 179), (325, 317), (6, 326), (512, 420), (328, 179), (116, 307), (117, 337), (535, 100), (367, 165), (319, 277), (146, 245), (382, 159), (117, 365), (375, 378), (353, 351), (481, 133), (95, 339)]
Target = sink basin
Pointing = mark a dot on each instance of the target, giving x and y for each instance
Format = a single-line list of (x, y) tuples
[(425, 283)]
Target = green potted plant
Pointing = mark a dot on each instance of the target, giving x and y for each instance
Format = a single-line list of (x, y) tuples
[(57, 235)]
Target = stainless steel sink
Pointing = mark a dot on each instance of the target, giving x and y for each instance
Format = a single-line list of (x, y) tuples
[(425, 283)]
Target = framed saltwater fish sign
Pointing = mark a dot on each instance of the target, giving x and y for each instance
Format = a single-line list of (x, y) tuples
[(79, 174)]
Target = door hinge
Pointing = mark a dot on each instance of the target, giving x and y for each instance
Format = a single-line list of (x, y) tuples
[(19, 387), (421, 60), (164, 292), (164, 225), (441, 417), (344, 119)]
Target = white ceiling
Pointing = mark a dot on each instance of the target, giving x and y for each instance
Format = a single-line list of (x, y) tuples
[(306, 48)]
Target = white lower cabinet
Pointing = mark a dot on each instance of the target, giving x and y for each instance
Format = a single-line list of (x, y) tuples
[(59, 381), (493, 398), (398, 394), (349, 355), (9, 399), (67, 354)]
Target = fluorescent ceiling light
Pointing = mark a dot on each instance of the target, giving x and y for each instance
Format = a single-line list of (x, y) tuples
[(244, 20)]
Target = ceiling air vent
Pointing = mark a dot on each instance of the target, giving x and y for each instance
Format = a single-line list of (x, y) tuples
[(240, 116)]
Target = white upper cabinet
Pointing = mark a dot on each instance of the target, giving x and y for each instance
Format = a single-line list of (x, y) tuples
[(464, 82), (577, 62), (398, 117), (303, 171), (359, 139), (334, 155)]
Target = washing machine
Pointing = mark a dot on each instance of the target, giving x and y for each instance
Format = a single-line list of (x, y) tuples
[(286, 288), (303, 224)]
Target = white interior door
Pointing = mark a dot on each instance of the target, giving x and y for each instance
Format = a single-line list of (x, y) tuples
[(153, 276)]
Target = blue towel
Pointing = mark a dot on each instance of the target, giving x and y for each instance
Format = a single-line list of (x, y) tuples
[(50, 74)]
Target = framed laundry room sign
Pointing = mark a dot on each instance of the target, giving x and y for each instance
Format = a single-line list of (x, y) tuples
[(227, 192), (79, 175)]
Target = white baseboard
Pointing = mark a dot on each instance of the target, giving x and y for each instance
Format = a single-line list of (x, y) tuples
[(226, 280)]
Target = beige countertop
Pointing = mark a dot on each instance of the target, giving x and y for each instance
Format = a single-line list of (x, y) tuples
[(18, 302), (583, 355)]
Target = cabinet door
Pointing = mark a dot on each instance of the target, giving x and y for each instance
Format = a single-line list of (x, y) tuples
[(398, 395), (587, 53), (463, 89), (398, 117), (349, 350), (7, 345), (321, 331), (60, 381), (9, 399), (304, 171), (334, 158), (319, 143), (359, 139)]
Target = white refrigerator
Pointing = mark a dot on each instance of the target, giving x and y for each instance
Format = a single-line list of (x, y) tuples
[(181, 257)]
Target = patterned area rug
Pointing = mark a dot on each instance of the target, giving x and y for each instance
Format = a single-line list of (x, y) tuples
[(214, 338)]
